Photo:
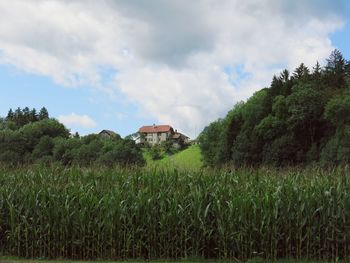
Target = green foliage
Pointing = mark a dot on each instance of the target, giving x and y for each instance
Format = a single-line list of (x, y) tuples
[(335, 71), (65, 150), (337, 149), (3, 124), (89, 151), (30, 142), (43, 148), (299, 119), (270, 128), (210, 142), (46, 127), (121, 152), (96, 150), (254, 108), (12, 140), (10, 157), (20, 117), (282, 151), (27, 137), (168, 147), (156, 152), (304, 106), (43, 114), (279, 107), (337, 110)]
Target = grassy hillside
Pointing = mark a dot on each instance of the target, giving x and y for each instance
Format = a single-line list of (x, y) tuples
[(189, 158)]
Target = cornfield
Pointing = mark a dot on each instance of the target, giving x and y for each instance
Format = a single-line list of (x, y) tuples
[(171, 214)]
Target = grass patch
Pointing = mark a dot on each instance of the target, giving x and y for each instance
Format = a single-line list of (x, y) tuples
[(190, 158)]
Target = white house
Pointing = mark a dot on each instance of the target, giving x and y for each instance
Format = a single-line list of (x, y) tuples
[(156, 134)]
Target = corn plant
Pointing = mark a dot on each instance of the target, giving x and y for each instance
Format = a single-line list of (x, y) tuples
[(155, 213)]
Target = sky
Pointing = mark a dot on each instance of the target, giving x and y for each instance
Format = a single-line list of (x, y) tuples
[(119, 65)]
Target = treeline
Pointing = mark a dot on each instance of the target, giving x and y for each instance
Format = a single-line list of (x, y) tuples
[(302, 118), (28, 137)]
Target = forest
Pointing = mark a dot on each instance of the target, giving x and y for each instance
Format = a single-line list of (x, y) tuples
[(303, 118), (30, 137)]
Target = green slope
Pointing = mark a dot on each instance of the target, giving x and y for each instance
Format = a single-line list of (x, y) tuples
[(190, 158)]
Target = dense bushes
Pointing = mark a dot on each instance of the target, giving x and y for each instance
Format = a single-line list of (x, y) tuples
[(27, 137), (299, 119), (160, 151)]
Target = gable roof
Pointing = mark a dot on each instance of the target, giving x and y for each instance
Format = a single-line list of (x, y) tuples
[(179, 135), (108, 132), (155, 128)]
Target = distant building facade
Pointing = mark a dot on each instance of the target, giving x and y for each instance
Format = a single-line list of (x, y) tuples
[(180, 140), (108, 134), (156, 134)]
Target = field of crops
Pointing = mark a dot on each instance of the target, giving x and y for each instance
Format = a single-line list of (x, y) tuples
[(171, 214)]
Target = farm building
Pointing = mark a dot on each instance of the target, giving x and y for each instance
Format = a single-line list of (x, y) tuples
[(156, 134), (108, 134)]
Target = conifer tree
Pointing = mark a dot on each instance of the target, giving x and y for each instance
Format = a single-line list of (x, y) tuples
[(10, 115), (43, 114)]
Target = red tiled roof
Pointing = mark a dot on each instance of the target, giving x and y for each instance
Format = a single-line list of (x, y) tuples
[(155, 128)]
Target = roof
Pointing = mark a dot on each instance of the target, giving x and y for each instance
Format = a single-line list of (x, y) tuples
[(110, 133), (155, 128), (178, 135)]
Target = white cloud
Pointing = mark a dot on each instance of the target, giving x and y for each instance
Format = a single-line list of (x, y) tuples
[(169, 56), (76, 120)]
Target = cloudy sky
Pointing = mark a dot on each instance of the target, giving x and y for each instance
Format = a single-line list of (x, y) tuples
[(119, 65)]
